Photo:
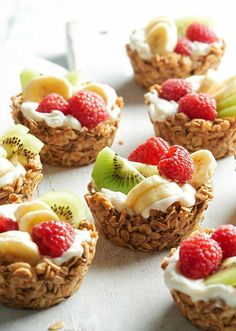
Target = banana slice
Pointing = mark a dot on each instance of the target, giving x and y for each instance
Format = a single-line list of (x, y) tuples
[(208, 84), (204, 167), (144, 186), (16, 246), (5, 166), (228, 263), (28, 207), (3, 152), (156, 194), (41, 86), (162, 38), (156, 20), (106, 92), (29, 220), (224, 89)]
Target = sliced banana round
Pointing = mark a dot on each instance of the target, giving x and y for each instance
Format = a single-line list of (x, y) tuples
[(157, 20), (39, 87), (162, 38), (144, 186), (30, 206), (29, 220), (106, 92), (16, 246), (204, 167)]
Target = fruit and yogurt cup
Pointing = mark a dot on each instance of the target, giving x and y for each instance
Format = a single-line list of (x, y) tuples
[(46, 247), (153, 199), (20, 166), (75, 120), (173, 49), (201, 276), (198, 112)]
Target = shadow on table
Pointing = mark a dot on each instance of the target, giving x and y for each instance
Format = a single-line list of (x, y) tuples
[(131, 92), (9, 315), (231, 219)]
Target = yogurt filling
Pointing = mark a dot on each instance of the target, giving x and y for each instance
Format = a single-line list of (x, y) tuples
[(196, 289), (138, 43), (17, 171), (56, 119), (184, 194)]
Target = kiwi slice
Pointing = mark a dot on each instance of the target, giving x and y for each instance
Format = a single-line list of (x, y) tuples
[(30, 147), (114, 172), (74, 77), (11, 140), (26, 76), (226, 277), (182, 23), (68, 207), (146, 170)]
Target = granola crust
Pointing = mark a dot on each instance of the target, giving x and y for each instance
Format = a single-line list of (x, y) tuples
[(160, 230), (173, 65), (65, 146), (22, 188), (46, 284)]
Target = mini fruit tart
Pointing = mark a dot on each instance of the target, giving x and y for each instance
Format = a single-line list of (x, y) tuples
[(75, 120), (152, 200), (201, 276), (46, 247), (196, 112), (173, 49), (20, 166)]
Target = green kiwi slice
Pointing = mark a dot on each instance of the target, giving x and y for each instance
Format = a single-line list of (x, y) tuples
[(26, 76), (182, 23), (68, 206), (74, 77), (146, 170), (114, 172), (11, 140), (226, 277), (30, 147)]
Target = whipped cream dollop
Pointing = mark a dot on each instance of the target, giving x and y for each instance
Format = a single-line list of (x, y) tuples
[(10, 171), (56, 119), (196, 289)]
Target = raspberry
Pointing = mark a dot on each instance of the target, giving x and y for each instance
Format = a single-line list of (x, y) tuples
[(176, 164), (174, 89), (199, 257), (198, 105), (150, 152), (201, 32), (89, 108), (184, 46), (53, 237), (7, 224), (52, 102), (225, 235)]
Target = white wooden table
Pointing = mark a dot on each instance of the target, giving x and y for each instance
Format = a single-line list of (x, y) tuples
[(123, 290)]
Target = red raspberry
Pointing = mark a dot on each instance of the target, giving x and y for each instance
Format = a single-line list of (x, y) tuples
[(174, 89), (52, 102), (7, 224), (150, 152), (198, 105), (89, 108), (225, 235), (176, 164), (53, 237), (184, 46), (201, 32), (199, 257)]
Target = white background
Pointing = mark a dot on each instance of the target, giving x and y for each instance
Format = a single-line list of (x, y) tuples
[(124, 290)]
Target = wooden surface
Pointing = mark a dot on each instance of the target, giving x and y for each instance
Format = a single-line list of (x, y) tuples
[(123, 290)]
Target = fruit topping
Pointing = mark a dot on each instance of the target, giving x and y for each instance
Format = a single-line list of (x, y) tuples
[(225, 235), (182, 23), (7, 224), (114, 172), (11, 140), (150, 152), (198, 105), (53, 237), (176, 164), (201, 32), (199, 257), (225, 277), (75, 77), (184, 46), (146, 170), (89, 108), (5, 166), (67, 206), (27, 207), (39, 87), (52, 102), (174, 89), (31, 146), (27, 75)]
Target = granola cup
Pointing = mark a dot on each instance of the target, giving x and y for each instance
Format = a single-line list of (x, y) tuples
[(161, 230), (173, 65), (23, 187), (65, 146), (46, 284)]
